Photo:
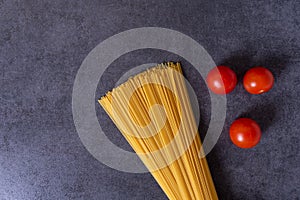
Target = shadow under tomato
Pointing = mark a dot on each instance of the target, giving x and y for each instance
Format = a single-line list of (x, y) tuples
[(262, 114)]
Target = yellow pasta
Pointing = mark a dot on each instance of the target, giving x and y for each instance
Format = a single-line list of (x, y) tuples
[(153, 112)]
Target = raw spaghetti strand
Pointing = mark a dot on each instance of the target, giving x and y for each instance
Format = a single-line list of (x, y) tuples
[(153, 112)]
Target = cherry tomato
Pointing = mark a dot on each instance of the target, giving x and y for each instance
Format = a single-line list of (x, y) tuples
[(245, 133), (221, 80), (258, 80)]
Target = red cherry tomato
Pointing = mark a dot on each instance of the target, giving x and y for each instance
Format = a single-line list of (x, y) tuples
[(245, 133), (221, 80), (258, 80)]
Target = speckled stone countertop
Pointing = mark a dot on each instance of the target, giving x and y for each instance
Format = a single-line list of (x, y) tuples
[(42, 45)]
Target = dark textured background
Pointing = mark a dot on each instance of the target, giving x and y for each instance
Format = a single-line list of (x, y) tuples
[(42, 44)]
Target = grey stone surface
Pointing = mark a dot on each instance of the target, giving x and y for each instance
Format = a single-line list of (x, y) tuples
[(42, 44)]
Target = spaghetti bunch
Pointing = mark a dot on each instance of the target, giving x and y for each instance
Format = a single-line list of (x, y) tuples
[(153, 112)]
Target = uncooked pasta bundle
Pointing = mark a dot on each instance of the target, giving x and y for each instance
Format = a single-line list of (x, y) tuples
[(153, 112)]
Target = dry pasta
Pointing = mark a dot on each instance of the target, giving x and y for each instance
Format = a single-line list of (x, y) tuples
[(153, 112)]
